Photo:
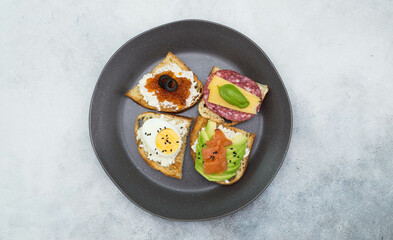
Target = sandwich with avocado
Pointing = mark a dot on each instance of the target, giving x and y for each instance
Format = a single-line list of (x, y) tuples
[(220, 153)]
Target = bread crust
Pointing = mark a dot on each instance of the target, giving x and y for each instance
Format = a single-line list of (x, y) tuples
[(174, 170), (201, 122), (136, 95), (207, 113)]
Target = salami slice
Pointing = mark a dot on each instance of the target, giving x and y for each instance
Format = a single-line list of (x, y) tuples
[(239, 80)]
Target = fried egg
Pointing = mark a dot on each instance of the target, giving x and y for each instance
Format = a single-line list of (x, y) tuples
[(161, 139)]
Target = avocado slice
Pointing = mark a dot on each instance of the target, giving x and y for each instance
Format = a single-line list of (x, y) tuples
[(236, 150), (210, 128), (238, 140), (203, 138), (232, 167), (216, 177)]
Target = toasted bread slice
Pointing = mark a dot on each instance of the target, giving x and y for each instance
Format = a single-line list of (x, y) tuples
[(200, 122), (135, 93), (207, 113), (174, 170)]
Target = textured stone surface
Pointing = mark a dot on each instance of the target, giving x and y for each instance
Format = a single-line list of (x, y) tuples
[(335, 57)]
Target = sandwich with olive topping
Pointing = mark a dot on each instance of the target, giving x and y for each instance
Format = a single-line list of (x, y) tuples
[(170, 87), (220, 153), (161, 140)]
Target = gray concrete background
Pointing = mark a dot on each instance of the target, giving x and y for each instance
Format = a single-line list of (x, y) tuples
[(335, 57)]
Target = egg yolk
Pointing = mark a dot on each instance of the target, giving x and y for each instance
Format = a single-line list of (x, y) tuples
[(168, 141)]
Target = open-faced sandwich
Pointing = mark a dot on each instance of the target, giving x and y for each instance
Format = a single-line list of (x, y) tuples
[(161, 140), (230, 98), (220, 153), (170, 87)]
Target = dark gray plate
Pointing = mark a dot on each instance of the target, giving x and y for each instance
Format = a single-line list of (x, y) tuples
[(200, 45)]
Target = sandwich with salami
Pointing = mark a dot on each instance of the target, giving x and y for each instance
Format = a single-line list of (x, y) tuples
[(230, 98)]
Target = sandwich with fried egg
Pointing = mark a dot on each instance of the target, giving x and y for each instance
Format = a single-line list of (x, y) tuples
[(161, 141)]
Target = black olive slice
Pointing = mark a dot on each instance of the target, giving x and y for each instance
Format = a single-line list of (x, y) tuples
[(162, 80), (171, 85)]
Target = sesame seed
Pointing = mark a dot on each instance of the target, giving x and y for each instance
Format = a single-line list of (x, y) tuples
[(177, 141), (171, 150)]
